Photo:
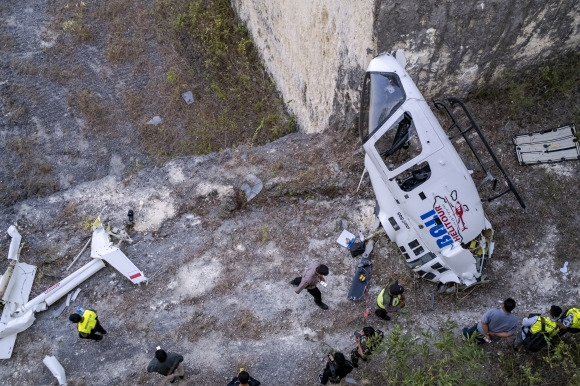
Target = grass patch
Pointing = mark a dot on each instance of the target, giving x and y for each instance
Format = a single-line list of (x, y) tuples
[(519, 93)]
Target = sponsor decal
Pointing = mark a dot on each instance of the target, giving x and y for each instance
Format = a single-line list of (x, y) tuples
[(403, 220), (52, 288), (445, 221)]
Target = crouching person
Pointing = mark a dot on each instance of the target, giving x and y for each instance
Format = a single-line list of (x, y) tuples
[(367, 340), (570, 321), (337, 367), (538, 330)]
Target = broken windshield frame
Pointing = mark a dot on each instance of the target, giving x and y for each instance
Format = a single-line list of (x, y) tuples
[(381, 96)]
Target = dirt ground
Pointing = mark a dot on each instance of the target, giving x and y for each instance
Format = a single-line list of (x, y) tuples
[(219, 267)]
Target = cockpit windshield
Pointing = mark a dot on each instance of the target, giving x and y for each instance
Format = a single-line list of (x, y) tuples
[(382, 94)]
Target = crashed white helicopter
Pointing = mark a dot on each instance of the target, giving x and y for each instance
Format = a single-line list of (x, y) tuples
[(427, 201), (16, 283)]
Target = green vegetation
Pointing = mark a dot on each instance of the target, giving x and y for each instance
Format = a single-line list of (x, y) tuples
[(235, 101), (518, 93), (439, 358), (76, 24), (434, 358)]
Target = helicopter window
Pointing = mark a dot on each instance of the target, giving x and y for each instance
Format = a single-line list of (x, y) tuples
[(402, 249), (421, 260), (414, 176), (394, 223), (429, 276), (400, 143), (382, 94), (436, 266), (413, 244), (418, 251)]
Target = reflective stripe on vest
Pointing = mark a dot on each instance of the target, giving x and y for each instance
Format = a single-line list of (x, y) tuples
[(392, 300), (537, 326), (88, 323), (380, 299), (575, 317)]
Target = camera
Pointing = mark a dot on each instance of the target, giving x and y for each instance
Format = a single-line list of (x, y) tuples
[(357, 334)]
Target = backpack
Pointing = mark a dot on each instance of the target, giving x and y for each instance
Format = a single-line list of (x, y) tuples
[(346, 368), (537, 341), (357, 249)]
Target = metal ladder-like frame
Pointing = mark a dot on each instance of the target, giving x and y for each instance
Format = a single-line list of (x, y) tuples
[(448, 105)]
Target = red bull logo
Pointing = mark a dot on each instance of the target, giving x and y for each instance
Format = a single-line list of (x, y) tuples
[(445, 221)]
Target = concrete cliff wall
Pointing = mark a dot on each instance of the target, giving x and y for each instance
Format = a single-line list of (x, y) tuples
[(314, 51), (451, 46), (317, 50)]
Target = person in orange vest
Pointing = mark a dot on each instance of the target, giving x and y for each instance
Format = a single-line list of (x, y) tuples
[(88, 324)]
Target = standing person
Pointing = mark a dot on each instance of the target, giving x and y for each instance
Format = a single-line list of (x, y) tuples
[(312, 275), (534, 325), (570, 321), (243, 379), (167, 364), (337, 367), (390, 299), (88, 324), (497, 322), (366, 340)]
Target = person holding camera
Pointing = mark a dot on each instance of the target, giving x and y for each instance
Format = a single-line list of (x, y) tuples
[(366, 340), (337, 367), (313, 275)]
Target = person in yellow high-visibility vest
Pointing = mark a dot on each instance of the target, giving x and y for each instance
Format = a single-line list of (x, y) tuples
[(390, 299), (570, 321), (533, 324), (88, 325)]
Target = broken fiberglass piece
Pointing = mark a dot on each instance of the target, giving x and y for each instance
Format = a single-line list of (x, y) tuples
[(252, 186), (155, 120), (555, 145), (55, 368), (188, 97)]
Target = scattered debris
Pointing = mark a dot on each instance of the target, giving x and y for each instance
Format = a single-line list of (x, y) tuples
[(76, 293), (346, 239), (554, 145), (252, 186), (79, 254), (155, 120), (18, 313), (188, 97), (564, 269), (55, 368)]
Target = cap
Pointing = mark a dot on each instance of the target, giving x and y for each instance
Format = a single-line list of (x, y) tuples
[(396, 289)]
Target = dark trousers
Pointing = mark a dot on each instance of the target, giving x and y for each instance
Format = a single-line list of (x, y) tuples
[(468, 333), (315, 292), (93, 335)]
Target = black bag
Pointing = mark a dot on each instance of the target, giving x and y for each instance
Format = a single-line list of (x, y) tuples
[(537, 341), (357, 249)]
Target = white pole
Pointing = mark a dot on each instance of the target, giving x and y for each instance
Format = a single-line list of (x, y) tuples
[(61, 288)]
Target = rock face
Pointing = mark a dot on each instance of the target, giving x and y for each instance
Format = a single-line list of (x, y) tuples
[(317, 51)]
